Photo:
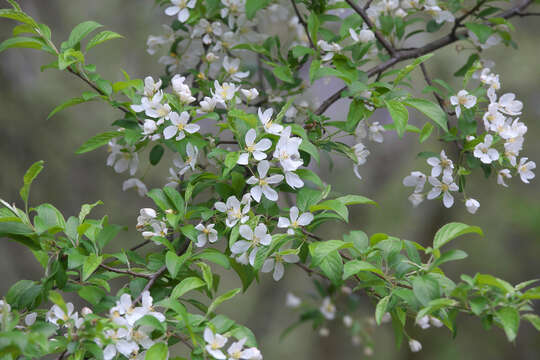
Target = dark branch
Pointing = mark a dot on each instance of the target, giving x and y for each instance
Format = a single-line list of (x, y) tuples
[(368, 22), (302, 21), (403, 55)]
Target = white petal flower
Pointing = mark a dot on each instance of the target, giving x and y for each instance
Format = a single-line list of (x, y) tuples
[(525, 168), (485, 152), (472, 205), (415, 345), (328, 309), (135, 183), (254, 149), (266, 119), (214, 343), (416, 179), (295, 220), (445, 187), (292, 300), (462, 98), (503, 175), (263, 182), (208, 234)]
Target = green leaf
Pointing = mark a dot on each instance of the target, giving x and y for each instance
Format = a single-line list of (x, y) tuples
[(21, 42), (451, 255), (176, 199), (532, 294), (353, 267), (425, 289), (380, 309), (86, 208), (101, 37), (28, 178), (335, 205), (313, 25), (451, 231), (223, 297), (299, 51), (355, 200), (186, 285), (17, 15), (332, 267), (483, 32), (80, 31), (284, 73), (158, 351), (509, 319), (207, 275), (152, 322), (174, 263), (252, 6), (320, 250), (407, 69), (66, 104), (533, 319), (431, 110), (90, 265), (214, 256), (425, 132), (156, 153), (97, 141)]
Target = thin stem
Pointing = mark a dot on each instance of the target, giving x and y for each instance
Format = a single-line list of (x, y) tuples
[(304, 24), (123, 271)]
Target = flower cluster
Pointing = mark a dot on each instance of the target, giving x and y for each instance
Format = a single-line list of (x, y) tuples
[(236, 351), (499, 146)]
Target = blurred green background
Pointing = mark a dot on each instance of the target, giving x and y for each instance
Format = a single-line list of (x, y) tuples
[(509, 217)]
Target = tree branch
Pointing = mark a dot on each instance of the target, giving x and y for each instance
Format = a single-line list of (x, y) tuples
[(153, 278), (123, 271), (403, 55), (360, 11), (304, 24)]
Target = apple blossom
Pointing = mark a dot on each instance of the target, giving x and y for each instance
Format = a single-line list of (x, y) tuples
[(262, 183)]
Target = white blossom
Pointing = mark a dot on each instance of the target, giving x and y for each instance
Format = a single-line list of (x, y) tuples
[(179, 126), (525, 169), (503, 175), (292, 300), (463, 98), (214, 343), (137, 184), (208, 234), (232, 67), (295, 221), (442, 165), (262, 183), (415, 345), (275, 262), (485, 152), (250, 94), (180, 7), (268, 125), (364, 36), (254, 149), (472, 205), (445, 187), (328, 309), (417, 180), (253, 239), (234, 210)]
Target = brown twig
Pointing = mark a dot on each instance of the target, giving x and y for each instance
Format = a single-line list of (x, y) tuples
[(153, 278), (138, 246), (440, 100), (123, 271), (93, 86), (302, 21)]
